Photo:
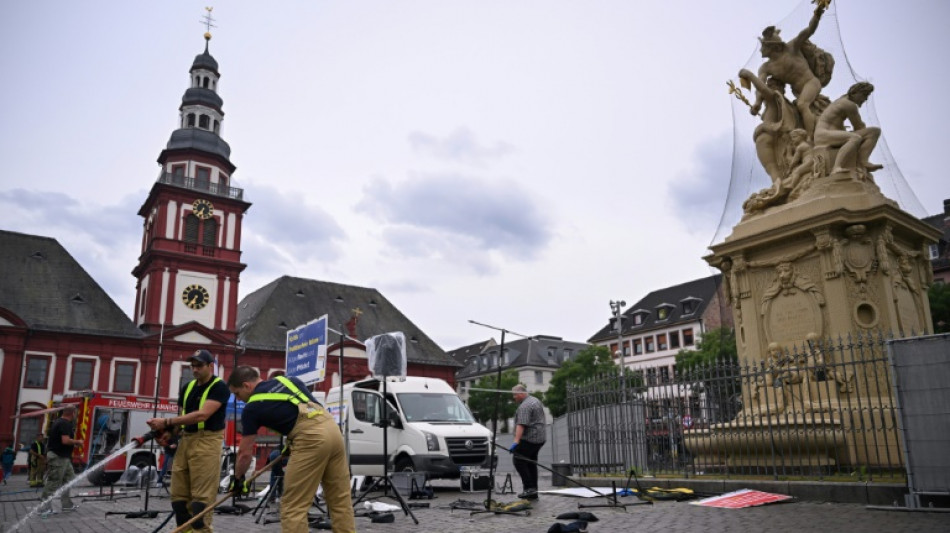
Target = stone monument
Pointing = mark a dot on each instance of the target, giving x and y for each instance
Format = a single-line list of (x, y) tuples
[(822, 253)]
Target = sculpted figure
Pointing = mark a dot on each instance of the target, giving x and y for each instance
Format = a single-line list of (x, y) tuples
[(778, 118), (799, 63), (855, 146), (801, 161)]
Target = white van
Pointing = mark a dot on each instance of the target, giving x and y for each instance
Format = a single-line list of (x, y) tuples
[(431, 430)]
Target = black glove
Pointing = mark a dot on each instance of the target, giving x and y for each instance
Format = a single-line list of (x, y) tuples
[(239, 486)]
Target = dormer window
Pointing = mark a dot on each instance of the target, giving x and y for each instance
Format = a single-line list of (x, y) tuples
[(690, 305), (638, 318), (663, 311)]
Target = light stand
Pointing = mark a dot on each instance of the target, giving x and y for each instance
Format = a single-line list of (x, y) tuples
[(494, 427)]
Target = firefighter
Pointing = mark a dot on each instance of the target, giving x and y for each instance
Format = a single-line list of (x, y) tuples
[(200, 425), (317, 454), (37, 460)]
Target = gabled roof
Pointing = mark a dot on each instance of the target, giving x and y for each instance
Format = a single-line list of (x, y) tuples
[(265, 315), (700, 291), (462, 354), (49, 290), (529, 352)]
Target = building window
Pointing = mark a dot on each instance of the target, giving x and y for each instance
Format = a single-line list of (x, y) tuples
[(37, 371), (202, 177), (625, 348), (29, 426), (204, 122), (191, 228), (638, 319), (539, 377), (651, 376), (687, 337), (552, 351), (689, 306), (637, 347), (191, 120), (648, 341), (186, 376), (125, 377), (664, 374), (81, 374), (209, 232), (661, 341), (662, 313), (565, 355), (674, 339), (934, 251)]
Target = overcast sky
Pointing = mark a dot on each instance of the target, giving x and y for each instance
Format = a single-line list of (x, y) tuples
[(519, 163)]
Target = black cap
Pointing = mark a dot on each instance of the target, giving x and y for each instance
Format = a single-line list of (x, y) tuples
[(202, 356)]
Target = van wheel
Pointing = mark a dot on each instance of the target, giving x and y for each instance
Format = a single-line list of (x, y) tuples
[(404, 464)]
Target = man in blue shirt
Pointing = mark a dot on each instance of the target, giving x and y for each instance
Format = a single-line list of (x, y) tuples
[(317, 452)]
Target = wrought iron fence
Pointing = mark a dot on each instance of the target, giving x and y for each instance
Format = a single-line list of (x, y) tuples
[(823, 409)]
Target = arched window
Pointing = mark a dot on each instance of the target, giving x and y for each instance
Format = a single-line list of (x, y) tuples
[(191, 228), (203, 121), (216, 126), (210, 232), (191, 120), (205, 82), (197, 82)]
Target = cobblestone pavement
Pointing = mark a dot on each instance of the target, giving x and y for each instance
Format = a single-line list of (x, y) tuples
[(17, 499)]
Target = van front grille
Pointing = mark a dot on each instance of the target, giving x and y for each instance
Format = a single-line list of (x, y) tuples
[(467, 451)]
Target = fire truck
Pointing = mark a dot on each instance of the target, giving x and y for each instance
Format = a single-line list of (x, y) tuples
[(107, 422)]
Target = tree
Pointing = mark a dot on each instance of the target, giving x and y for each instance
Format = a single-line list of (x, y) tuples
[(713, 369), (939, 295), (716, 345), (589, 362), (482, 403)]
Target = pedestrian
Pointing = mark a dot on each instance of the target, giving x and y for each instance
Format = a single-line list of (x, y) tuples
[(169, 447), (59, 461), (37, 460), (315, 443), (200, 426), (277, 473), (7, 458), (529, 438)]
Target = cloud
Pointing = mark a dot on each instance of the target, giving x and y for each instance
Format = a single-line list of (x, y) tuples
[(457, 218), (104, 239), (701, 194), (460, 146), (283, 227)]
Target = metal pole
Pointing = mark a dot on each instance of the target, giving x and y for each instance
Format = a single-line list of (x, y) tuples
[(617, 307)]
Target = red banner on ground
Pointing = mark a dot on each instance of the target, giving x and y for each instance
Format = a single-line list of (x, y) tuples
[(742, 498)]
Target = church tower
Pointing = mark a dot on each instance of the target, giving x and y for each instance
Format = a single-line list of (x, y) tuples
[(190, 263)]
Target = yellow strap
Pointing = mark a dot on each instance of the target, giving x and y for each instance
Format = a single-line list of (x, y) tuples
[(201, 402), (298, 397)]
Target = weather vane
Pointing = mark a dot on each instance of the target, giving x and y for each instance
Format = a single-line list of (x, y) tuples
[(208, 22)]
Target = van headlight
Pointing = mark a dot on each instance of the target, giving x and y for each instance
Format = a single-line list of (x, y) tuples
[(432, 442)]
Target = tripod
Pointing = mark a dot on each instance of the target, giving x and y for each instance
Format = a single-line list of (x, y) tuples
[(386, 481)]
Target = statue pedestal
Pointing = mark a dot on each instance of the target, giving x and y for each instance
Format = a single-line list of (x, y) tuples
[(842, 258), (839, 260)]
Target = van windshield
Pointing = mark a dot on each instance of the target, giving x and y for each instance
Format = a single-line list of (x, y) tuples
[(433, 407)]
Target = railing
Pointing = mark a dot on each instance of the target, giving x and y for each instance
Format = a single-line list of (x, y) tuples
[(201, 185), (822, 410)]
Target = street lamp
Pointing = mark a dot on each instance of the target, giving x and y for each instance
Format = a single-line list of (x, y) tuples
[(616, 307)]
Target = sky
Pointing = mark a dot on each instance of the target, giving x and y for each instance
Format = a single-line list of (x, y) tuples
[(516, 163)]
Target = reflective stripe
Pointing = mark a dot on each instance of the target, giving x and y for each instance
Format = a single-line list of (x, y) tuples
[(297, 398), (204, 396)]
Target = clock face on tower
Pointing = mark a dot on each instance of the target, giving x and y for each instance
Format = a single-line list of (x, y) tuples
[(202, 208), (195, 296)]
